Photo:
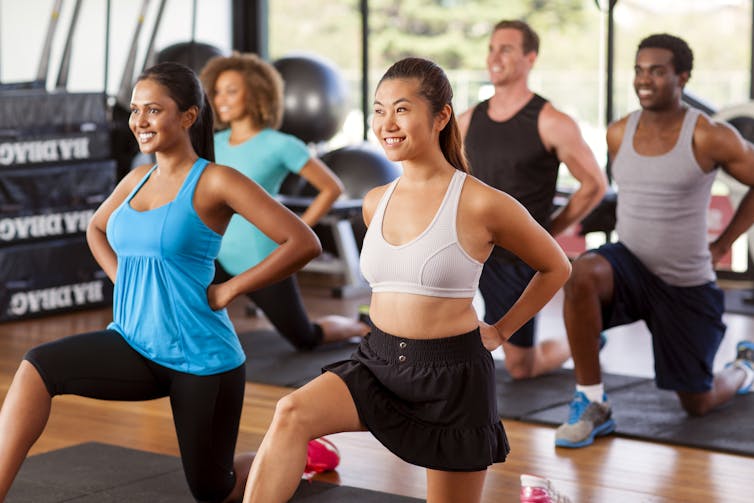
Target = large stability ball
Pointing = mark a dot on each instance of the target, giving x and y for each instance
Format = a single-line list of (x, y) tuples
[(316, 98), (192, 54), (360, 167)]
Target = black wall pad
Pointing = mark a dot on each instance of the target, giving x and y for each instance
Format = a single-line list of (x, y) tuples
[(270, 359), (37, 111), (52, 276), (102, 473), (648, 413)]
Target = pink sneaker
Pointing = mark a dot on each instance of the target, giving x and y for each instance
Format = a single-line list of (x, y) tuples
[(536, 489), (321, 456)]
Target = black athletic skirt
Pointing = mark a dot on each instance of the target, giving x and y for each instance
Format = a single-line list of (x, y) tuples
[(430, 402)]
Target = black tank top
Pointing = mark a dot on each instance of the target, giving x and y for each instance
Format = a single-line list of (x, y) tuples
[(510, 156)]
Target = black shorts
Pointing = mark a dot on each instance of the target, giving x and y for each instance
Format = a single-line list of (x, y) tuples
[(685, 322), (431, 401), (206, 409)]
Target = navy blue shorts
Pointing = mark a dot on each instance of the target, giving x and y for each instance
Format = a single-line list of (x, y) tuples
[(685, 322), (501, 284)]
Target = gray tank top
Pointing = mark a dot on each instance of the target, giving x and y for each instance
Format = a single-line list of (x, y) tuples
[(662, 207)]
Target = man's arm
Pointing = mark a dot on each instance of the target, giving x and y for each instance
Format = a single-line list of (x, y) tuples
[(560, 134), (719, 144)]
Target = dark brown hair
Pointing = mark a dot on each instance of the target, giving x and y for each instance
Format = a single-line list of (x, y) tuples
[(186, 91), (530, 38), (434, 86)]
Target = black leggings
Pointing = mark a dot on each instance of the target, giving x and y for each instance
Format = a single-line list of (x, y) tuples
[(206, 409), (281, 303)]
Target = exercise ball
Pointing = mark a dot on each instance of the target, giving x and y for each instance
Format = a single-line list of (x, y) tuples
[(360, 167), (315, 100), (192, 54)]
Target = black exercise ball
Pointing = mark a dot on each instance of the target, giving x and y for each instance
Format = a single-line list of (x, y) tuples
[(192, 54), (316, 97), (360, 167)]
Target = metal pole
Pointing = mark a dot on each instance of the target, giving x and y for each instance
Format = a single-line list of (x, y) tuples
[(365, 66)]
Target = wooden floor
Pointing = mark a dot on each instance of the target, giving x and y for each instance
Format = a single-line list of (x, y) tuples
[(613, 470)]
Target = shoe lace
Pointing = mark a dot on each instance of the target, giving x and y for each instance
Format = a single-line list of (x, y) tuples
[(577, 407)]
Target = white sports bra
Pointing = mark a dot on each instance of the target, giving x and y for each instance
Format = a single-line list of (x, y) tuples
[(433, 263)]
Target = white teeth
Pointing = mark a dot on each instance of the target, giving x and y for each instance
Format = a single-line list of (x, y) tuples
[(495, 68), (145, 137), (393, 141)]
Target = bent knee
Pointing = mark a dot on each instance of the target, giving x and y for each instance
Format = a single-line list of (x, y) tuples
[(589, 272), (696, 404), (289, 412)]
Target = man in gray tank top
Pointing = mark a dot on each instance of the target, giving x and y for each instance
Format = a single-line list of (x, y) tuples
[(515, 142), (661, 269)]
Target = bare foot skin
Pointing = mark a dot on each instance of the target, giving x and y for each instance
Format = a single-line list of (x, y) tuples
[(339, 328), (241, 465)]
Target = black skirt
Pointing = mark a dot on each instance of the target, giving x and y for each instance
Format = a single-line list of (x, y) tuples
[(429, 401)]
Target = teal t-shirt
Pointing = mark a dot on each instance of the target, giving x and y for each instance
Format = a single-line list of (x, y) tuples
[(266, 158)]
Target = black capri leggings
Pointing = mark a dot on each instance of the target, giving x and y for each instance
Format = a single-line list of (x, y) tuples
[(206, 409), (281, 303)]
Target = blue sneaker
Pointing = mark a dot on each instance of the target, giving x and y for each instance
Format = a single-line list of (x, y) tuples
[(586, 421), (744, 357)]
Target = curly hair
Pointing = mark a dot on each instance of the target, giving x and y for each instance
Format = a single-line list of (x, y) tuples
[(264, 86), (683, 58)]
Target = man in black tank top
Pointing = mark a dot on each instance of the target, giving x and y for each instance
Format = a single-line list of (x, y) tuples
[(515, 142)]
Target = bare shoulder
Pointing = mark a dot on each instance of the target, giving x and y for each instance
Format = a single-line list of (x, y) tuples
[(614, 135), (709, 132), (553, 117), (134, 176), (370, 201), (481, 199)]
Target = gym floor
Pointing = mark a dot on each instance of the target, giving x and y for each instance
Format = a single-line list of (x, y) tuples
[(614, 470)]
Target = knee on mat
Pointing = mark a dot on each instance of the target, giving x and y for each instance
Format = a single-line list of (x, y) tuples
[(695, 407), (519, 370)]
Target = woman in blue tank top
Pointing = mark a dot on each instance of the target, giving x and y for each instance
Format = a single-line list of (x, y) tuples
[(422, 382), (247, 94), (156, 237)]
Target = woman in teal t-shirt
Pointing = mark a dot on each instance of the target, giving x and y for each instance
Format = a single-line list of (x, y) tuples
[(247, 95)]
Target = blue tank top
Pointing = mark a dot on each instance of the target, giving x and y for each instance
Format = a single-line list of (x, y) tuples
[(165, 264)]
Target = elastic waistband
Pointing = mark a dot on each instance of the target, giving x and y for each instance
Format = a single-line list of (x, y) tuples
[(446, 349)]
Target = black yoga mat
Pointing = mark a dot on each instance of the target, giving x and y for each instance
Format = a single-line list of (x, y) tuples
[(645, 412), (101, 473), (518, 399), (270, 359)]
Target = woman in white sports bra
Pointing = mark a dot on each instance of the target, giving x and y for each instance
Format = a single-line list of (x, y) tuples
[(422, 382)]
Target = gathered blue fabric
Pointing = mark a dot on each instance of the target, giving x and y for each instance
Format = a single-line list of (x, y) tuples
[(165, 265)]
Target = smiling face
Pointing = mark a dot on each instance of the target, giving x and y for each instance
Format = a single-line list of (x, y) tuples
[(506, 61), (657, 85), (403, 120), (230, 96), (155, 119)]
